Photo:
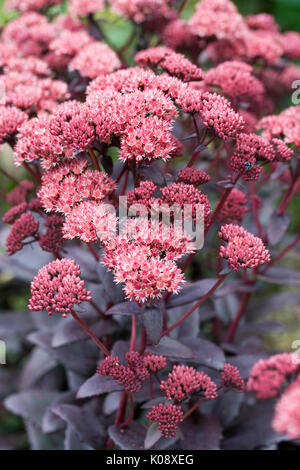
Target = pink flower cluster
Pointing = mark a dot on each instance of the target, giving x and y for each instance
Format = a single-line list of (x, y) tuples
[(286, 124), (236, 80), (243, 250), (30, 5), (168, 417), (184, 380), (18, 194), (11, 119), (136, 371), (170, 61), (70, 183), (93, 59), (145, 276), (85, 7), (234, 208), (23, 228), (268, 376), (287, 412), (193, 176), (232, 377), (58, 287), (142, 10)]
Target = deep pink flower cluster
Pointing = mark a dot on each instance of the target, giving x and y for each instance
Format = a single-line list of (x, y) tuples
[(30, 5), (142, 10), (70, 125), (171, 62), (57, 287), (136, 371), (143, 194), (90, 221), (30, 93), (11, 119), (234, 208), (250, 150), (268, 375), (35, 142), (287, 412), (85, 7), (243, 250), (218, 18), (286, 124), (93, 59), (52, 239), (70, 183), (168, 417), (236, 80), (19, 193), (193, 176), (186, 194), (23, 228), (232, 377), (184, 381)]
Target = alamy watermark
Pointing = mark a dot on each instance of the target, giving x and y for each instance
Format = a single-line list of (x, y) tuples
[(296, 355), (139, 220), (2, 352), (296, 94)]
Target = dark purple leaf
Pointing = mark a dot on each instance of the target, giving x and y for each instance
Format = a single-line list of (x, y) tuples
[(130, 438), (79, 357), (227, 406), (173, 349), (37, 365), (254, 429), (245, 362), (111, 402), (85, 424), (31, 404), (191, 292), (107, 163), (155, 402), (40, 441), (285, 276), (97, 385), (125, 308), (205, 352), (15, 324), (52, 422), (71, 331), (153, 435), (113, 291), (72, 441), (277, 227), (206, 434), (153, 323), (234, 286)]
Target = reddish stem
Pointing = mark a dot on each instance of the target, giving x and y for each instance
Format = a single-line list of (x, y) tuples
[(281, 254), (35, 175), (93, 251), (94, 159), (101, 313), (234, 325), (90, 333), (200, 302), (133, 333), (131, 411), (255, 210)]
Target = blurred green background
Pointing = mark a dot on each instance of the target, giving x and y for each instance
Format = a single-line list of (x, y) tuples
[(286, 12)]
